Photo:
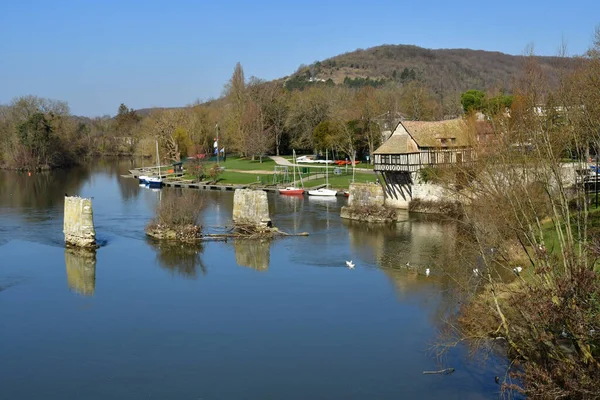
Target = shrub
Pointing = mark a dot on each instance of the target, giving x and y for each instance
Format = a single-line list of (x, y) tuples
[(178, 209), (214, 172)]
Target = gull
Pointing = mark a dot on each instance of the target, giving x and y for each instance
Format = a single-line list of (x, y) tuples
[(517, 270), (350, 264), (427, 272), (475, 271)]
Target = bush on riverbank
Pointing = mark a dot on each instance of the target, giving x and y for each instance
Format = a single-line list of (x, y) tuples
[(523, 225), (177, 215)]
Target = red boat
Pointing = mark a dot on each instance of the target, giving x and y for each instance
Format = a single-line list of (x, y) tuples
[(291, 190)]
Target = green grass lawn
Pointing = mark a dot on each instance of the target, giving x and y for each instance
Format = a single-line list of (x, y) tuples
[(342, 181), (240, 178), (335, 181), (551, 235), (246, 164)]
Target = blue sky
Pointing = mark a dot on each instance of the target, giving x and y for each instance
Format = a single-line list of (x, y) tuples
[(98, 54)]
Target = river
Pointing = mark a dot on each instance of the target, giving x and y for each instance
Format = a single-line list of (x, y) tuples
[(245, 320)]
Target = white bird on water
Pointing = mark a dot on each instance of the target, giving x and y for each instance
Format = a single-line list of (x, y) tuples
[(427, 272), (350, 264), (517, 270)]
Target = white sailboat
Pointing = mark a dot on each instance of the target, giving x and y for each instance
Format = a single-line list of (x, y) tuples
[(293, 190), (325, 192), (155, 181)]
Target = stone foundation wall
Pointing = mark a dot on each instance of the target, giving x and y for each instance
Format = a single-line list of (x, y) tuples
[(78, 225), (400, 202), (366, 203), (251, 207), (365, 195), (429, 192)]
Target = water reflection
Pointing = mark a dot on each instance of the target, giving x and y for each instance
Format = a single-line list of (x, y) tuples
[(290, 205), (419, 242), (183, 259), (81, 271), (369, 328), (33, 196), (253, 254)]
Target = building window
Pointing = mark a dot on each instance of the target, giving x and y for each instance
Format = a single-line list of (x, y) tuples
[(453, 140), (444, 142)]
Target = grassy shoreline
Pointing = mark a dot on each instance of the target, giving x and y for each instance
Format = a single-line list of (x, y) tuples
[(241, 171)]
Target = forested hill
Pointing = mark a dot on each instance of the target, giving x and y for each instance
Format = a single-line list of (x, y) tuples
[(444, 70)]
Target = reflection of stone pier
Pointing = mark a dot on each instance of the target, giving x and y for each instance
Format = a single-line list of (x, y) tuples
[(81, 271), (253, 253)]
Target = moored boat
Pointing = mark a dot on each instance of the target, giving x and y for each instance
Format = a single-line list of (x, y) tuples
[(291, 191), (322, 192), (154, 182)]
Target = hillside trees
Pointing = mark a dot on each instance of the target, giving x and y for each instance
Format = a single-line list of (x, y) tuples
[(39, 133), (368, 106), (478, 101), (418, 102), (274, 103), (125, 120), (237, 100), (472, 100), (170, 129), (307, 109)]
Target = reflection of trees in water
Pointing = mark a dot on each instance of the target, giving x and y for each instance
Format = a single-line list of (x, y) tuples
[(254, 254), (128, 187), (181, 258), (424, 243), (289, 210), (415, 241), (40, 191), (81, 270)]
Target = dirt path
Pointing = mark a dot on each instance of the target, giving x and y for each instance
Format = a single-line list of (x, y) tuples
[(282, 161)]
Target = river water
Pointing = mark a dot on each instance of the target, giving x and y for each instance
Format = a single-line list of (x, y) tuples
[(236, 320)]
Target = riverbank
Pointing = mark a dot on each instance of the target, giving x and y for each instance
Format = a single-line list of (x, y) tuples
[(243, 171)]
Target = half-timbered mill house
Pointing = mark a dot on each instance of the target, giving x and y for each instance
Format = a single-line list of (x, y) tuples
[(415, 145)]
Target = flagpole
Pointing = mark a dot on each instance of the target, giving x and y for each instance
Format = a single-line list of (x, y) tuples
[(217, 128)]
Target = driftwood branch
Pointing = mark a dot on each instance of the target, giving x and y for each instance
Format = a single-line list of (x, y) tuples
[(446, 371)]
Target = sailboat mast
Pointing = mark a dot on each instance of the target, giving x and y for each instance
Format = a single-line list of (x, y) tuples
[(157, 159), (294, 167), (326, 169)]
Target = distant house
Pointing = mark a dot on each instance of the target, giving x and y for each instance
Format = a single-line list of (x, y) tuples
[(417, 144)]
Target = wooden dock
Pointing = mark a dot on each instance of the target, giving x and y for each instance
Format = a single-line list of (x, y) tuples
[(174, 180), (189, 184), (154, 171)]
